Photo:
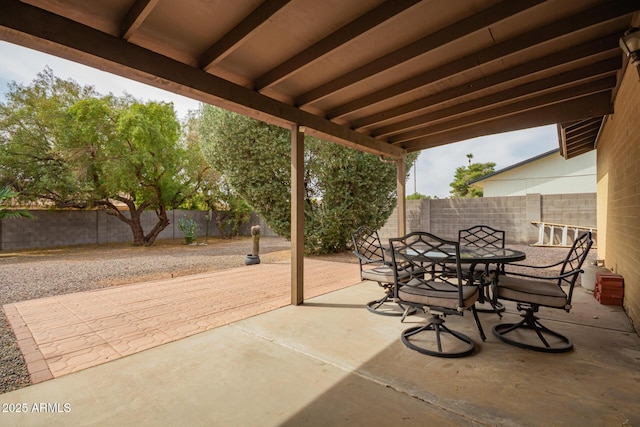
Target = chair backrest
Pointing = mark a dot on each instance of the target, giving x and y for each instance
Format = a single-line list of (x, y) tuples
[(428, 259), (367, 246), (481, 236), (574, 260)]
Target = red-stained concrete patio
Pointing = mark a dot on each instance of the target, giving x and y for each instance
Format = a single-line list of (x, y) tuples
[(67, 333)]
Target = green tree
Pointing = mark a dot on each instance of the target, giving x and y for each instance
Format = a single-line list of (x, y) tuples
[(31, 122), (464, 174), (418, 196), (7, 194), (344, 188), (66, 144), (229, 210)]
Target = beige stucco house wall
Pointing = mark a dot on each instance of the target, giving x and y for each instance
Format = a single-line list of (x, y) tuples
[(548, 173), (618, 199)]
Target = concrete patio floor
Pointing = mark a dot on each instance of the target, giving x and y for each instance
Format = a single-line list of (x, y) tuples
[(331, 362)]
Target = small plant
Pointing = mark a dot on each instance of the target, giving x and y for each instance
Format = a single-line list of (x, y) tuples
[(190, 229), (5, 196)]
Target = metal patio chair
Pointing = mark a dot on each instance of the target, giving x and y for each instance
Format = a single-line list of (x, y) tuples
[(532, 291), (370, 253), (431, 287)]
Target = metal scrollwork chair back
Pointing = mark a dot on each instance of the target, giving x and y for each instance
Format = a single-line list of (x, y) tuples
[(486, 237), (375, 266)]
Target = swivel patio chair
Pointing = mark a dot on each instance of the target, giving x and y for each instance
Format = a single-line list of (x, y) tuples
[(483, 236), (432, 288), (369, 250), (532, 291)]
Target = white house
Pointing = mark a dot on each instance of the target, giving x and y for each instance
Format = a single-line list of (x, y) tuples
[(547, 173)]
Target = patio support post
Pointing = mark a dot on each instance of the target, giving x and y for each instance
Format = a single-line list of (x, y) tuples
[(297, 215), (401, 183)]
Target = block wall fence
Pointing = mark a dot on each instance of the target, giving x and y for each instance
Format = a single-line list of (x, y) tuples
[(68, 228), (444, 217)]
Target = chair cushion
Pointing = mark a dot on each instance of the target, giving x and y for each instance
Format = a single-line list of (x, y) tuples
[(382, 274), (440, 296), (539, 292)]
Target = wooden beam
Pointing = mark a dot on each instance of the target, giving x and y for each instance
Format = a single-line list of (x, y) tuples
[(603, 47), (596, 121), (562, 27), (593, 127), (360, 25), (575, 153), (135, 17), (589, 139), (573, 77), (602, 85), (297, 216), (36, 28), (452, 32), (233, 38), (401, 185), (586, 138), (583, 135), (578, 108)]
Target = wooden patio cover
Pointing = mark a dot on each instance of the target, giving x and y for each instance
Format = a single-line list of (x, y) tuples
[(386, 77)]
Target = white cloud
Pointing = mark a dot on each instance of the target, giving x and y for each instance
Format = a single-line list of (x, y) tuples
[(436, 166)]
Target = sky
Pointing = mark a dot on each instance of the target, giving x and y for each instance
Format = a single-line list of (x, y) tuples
[(431, 176)]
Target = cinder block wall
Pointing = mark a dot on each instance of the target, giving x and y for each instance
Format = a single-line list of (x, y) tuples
[(444, 217), (581, 212), (67, 228), (618, 160)]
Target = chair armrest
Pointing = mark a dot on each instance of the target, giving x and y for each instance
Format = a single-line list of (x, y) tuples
[(531, 276), (365, 260), (533, 266)]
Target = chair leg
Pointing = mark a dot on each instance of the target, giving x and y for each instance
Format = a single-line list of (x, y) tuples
[(436, 325), (375, 305), (384, 307), (478, 324), (496, 306), (552, 342), (408, 310)]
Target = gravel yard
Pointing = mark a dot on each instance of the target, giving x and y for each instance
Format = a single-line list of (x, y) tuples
[(26, 275)]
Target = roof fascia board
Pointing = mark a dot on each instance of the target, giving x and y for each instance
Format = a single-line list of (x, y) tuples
[(517, 165)]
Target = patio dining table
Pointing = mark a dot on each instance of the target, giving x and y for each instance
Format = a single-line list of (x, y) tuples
[(474, 256), (487, 256)]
